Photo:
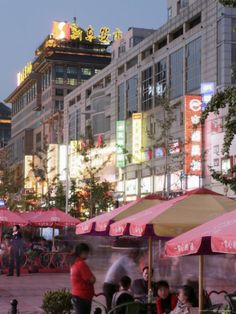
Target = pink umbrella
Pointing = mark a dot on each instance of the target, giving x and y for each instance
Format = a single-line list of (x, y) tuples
[(30, 215), (54, 218), (217, 235), (9, 218), (101, 223), (220, 233)]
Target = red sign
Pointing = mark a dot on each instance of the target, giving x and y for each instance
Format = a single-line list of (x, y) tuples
[(193, 135)]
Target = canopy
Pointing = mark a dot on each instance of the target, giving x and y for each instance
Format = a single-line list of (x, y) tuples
[(220, 233), (30, 215), (9, 218), (102, 222), (53, 217), (175, 216)]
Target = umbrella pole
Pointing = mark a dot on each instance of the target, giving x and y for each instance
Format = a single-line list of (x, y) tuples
[(200, 280), (53, 240), (149, 264)]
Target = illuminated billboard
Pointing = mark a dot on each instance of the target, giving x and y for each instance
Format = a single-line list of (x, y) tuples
[(193, 135), (137, 138), (120, 144)]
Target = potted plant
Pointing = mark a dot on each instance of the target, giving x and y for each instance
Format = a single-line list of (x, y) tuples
[(57, 302)]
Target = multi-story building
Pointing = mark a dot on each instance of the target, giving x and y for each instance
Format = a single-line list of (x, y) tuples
[(5, 124), (192, 54), (62, 62)]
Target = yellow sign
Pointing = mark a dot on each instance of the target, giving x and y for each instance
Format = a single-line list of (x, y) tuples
[(72, 31), (21, 76), (137, 137)]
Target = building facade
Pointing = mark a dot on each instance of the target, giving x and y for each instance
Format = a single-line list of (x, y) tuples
[(5, 125), (60, 65), (192, 54)]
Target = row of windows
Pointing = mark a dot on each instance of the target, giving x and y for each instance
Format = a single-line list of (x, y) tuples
[(25, 99)]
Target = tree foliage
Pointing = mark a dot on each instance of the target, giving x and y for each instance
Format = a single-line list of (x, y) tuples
[(228, 3), (225, 99)]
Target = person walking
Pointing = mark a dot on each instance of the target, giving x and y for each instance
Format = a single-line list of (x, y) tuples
[(82, 281), (16, 249)]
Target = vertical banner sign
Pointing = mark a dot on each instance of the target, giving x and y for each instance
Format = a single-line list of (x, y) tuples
[(28, 182), (120, 144), (193, 135), (137, 137)]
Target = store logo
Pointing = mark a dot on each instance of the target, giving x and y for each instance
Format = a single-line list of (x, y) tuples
[(195, 105)]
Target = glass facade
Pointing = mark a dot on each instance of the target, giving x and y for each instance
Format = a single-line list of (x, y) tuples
[(160, 79), (176, 74), (132, 96), (121, 102), (147, 89), (193, 65), (233, 63), (72, 75)]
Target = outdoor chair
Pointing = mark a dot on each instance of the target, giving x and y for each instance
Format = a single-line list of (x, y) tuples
[(216, 308), (128, 308), (231, 299)]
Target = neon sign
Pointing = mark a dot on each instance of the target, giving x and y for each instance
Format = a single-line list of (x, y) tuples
[(137, 137), (22, 75), (72, 31)]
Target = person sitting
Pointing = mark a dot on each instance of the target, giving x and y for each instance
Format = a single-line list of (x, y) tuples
[(140, 286), (166, 301), (186, 301), (124, 295)]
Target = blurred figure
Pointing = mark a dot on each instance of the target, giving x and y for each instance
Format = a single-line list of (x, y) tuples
[(124, 294), (16, 250), (166, 301), (123, 266), (186, 301), (140, 286), (82, 281)]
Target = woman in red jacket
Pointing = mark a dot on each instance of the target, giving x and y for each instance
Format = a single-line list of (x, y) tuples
[(82, 281), (166, 301)]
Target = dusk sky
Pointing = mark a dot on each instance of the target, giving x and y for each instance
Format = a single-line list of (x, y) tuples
[(25, 24)]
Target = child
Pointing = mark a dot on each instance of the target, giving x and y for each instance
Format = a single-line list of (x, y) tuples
[(124, 295)]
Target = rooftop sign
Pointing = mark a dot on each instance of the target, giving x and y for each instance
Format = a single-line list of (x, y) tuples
[(72, 31)]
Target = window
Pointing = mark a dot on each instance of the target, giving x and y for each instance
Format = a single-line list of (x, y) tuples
[(160, 79), (107, 124), (132, 96), (169, 13), (99, 123), (131, 63), (194, 22), (121, 69), (147, 89), (147, 52), (59, 105), (87, 71), (72, 75), (96, 71), (177, 33), (176, 74), (193, 65), (59, 74), (233, 63), (219, 64), (226, 164), (121, 102), (59, 92), (233, 29)]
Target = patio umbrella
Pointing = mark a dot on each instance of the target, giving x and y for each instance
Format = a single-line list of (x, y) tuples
[(9, 218), (215, 236), (54, 218), (174, 217), (99, 225)]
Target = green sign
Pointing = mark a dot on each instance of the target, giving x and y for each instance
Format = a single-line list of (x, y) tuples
[(120, 144)]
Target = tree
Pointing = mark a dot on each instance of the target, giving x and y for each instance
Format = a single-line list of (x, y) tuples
[(230, 3), (60, 197), (225, 99), (94, 194)]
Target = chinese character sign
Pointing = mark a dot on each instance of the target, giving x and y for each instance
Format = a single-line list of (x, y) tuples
[(120, 144), (137, 137), (61, 30), (193, 135)]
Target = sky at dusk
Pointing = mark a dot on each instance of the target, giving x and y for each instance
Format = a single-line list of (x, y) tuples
[(24, 24)]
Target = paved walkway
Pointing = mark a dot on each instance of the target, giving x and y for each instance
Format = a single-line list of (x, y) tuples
[(29, 290)]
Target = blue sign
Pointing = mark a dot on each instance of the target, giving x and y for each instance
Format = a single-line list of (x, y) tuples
[(207, 91), (2, 203)]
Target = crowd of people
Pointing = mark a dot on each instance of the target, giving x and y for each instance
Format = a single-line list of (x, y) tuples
[(118, 287)]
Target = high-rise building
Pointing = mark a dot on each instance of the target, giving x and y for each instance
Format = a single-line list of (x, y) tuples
[(5, 124), (191, 57), (63, 61)]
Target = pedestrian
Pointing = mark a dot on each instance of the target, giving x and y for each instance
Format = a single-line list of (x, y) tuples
[(82, 281), (166, 301), (16, 250), (123, 266), (186, 301), (124, 294)]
